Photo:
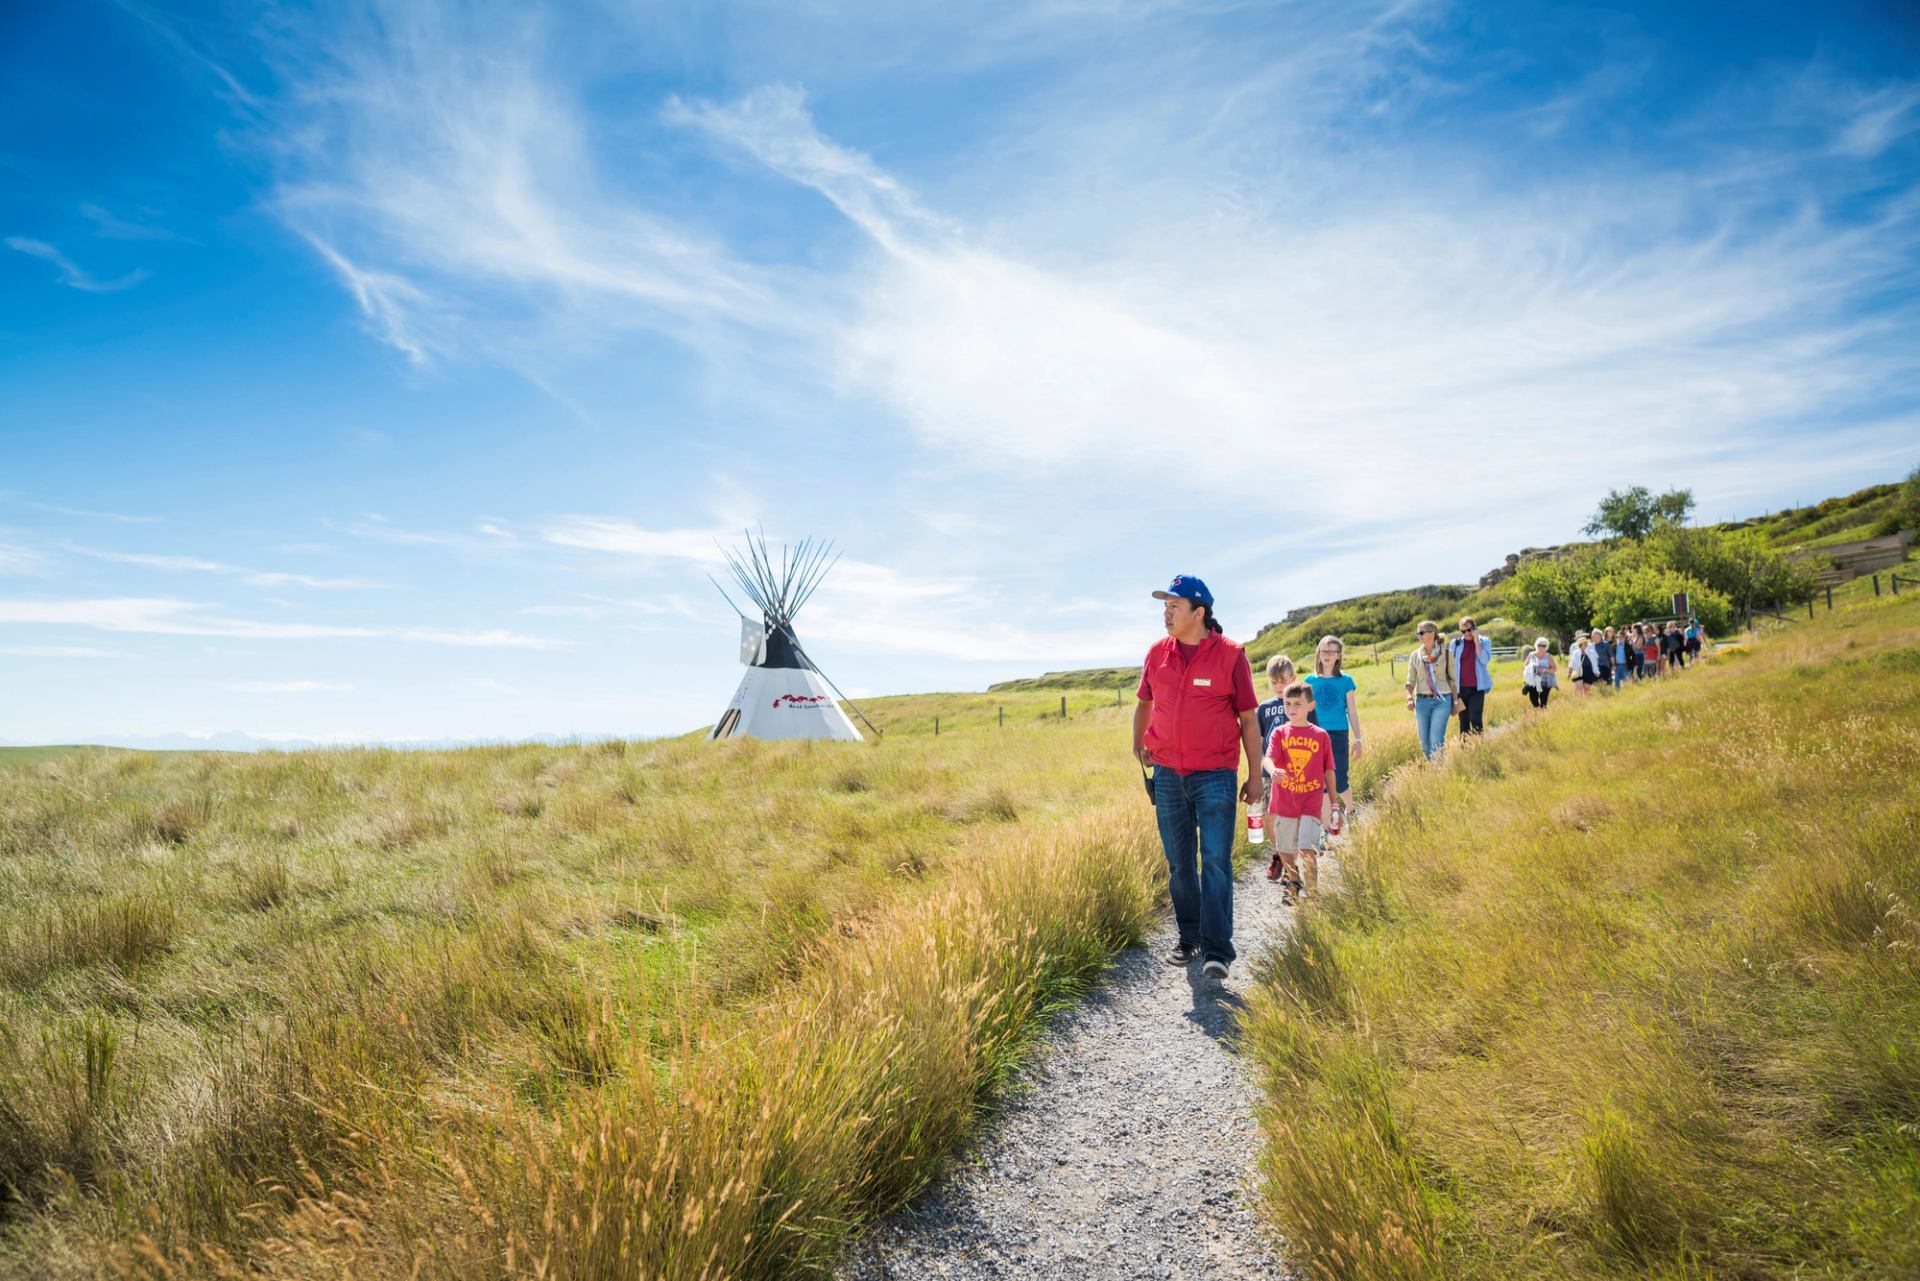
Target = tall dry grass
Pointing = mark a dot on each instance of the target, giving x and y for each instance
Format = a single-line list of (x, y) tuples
[(755, 1142), (371, 1012), (1630, 989)]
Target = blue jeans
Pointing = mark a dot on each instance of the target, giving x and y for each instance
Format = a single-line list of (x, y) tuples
[(1206, 800), (1338, 737), (1430, 715)]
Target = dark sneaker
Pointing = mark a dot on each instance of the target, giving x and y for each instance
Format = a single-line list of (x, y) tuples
[(1275, 868), (1214, 969), (1182, 953), (1287, 895)]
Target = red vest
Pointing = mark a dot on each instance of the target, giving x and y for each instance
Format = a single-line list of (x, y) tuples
[(1194, 725)]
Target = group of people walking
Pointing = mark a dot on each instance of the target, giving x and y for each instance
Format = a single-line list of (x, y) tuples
[(1196, 715), (1610, 658)]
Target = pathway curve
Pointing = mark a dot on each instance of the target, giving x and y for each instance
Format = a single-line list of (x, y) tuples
[(1131, 1150)]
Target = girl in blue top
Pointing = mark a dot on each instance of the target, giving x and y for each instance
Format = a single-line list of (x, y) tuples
[(1336, 706)]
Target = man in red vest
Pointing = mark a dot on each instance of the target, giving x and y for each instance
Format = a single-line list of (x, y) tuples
[(1193, 722)]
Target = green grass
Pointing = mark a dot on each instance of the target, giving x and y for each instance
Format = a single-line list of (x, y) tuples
[(657, 1009), (1629, 990), (1834, 520), (33, 755)]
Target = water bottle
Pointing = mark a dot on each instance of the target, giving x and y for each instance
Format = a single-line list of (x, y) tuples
[(1257, 823)]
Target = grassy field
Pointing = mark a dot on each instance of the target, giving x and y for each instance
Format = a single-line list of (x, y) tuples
[(32, 755), (1632, 989), (681, 1009), (663, 1009)]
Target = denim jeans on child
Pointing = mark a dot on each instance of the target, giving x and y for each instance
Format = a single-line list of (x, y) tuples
[(1430, 715), (1207, 802)]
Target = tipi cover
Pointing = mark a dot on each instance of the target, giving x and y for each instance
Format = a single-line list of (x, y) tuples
[(782, 695)]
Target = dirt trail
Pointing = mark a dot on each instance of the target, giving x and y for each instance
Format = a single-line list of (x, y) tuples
[(1130, 1153)]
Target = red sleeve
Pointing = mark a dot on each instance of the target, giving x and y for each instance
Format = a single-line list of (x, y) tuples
[(1144, 694), (1244, 699)]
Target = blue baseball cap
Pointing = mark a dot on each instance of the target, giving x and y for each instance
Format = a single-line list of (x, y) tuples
[(1187, 587)]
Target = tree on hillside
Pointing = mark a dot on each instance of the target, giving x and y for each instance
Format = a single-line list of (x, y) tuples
[(1905, 512), (1555, 592), (1636, 512), (1673, 507), (1741, 564), (1766, 575), (1630, 593)]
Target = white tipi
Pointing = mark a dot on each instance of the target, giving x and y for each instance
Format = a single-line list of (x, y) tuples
[(783, 695)]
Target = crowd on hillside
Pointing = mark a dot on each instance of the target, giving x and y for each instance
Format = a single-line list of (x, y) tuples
[(1611, 657), (1439, 679), (1197, 714)]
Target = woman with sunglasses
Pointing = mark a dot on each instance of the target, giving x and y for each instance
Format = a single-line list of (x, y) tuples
[(1475, 670)]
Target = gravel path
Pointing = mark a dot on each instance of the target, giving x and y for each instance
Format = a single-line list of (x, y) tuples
[(1131, 1151)]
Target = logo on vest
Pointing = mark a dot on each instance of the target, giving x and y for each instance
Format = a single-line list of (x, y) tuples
[(1203, 680)]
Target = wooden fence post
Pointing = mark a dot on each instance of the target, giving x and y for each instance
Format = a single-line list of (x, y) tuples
[(936, 727), (1876, 584), (1809, 607), (1829, 600), (1063, 707), (1003, 718)]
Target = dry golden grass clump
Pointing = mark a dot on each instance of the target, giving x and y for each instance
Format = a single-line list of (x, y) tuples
[(1633, 989)]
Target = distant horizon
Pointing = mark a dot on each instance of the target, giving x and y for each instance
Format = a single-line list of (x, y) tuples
[(393, 370), (247, 741)]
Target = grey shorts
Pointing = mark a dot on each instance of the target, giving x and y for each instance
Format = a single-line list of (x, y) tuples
[(1295, 833)]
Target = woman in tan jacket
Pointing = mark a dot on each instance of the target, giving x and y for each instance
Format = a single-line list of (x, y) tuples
[(1433, 687)]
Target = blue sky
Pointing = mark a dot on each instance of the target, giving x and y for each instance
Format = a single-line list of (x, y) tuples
[(388, 371)]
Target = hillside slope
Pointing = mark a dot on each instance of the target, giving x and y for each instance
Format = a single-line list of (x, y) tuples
[(1384, 621)]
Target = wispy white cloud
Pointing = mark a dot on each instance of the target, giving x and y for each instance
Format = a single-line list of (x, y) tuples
[(773, 124), (178, 564), (628, 539), (1413, 317), (485, 535), (1274, 246), (71, 273), (59, 651), (109, 226), (1875, 120), (118, 518), (168, 616), (18, 558), (435, 164), (396, 311), (287, 687), (592, 608)]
